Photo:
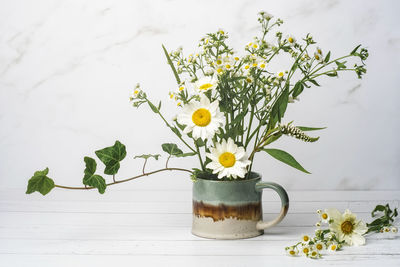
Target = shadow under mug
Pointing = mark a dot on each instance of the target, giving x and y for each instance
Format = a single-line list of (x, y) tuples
[(233, 209)]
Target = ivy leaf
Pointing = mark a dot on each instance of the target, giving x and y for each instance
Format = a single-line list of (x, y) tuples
[(171, 149), (40, 183), (147, 156), (92, 179), (285, 158), (111, 156), (305, 129)]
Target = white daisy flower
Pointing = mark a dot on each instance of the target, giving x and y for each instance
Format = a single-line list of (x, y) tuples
[(280, 74), (291, 40), (318, 57), (333, 246), (206, 83), (347, 227), (228, 160), (305, 249), (319, 246), (324, 216), (314, 254), (292, 252), (201, 118)]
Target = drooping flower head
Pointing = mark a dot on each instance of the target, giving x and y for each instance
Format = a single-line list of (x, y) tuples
[(347, 227), (202, 119), (228, 160)]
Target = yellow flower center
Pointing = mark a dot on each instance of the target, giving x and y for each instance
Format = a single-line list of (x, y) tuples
[(219, 62), (219, 70), (205, 86), (254, 64), (247, 67), (227, 159), (227, 66), (236, 58), (319, 246), (347, 227), (333, 247), (319, 51), (292, 252), (290, 39), (249, 80), (324, 216), (181, 88), (262, 65), (306, 238), (255, 45), (201, 117), (306, 250), (314, 253), (280, 74), (317, 57), (136, 92)]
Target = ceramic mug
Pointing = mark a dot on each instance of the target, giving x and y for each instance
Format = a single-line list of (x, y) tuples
[(233, 209)]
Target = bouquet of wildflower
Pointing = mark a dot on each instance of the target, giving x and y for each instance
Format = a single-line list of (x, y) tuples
[(343, 230), (230, 105)]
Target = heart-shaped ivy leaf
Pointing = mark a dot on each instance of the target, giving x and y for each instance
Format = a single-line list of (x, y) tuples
[(40, 183), (111, 156), (171, 149), (92, 179)]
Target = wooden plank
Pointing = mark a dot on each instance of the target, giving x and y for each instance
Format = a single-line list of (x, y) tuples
[(186, 195), (143, 219), (338, 259), (173, 207), (112, 232), (201, 247)]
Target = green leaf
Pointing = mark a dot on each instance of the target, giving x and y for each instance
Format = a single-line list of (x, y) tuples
[(272, 138), (354, 50), (378, 208), (91, 179), (147, 156), (39, 182), (111, 156), (171, 149), (314, 82), (153, 108), (305, 129), (189, 154), (328, 56), (297, 89), (285, 158), (279, 108), (172, 65)]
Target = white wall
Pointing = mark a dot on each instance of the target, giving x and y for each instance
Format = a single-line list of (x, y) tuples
[(68, 67)]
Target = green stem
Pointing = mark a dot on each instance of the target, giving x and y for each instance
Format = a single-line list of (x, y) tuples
[(199, 155)]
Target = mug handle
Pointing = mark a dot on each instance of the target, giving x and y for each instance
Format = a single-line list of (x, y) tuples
[(261, 225)]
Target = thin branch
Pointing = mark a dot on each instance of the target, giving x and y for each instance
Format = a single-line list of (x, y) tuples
[(144, 165), (166, 163), (125, 180)]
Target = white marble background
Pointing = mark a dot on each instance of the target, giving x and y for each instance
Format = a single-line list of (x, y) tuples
[(68, 67)]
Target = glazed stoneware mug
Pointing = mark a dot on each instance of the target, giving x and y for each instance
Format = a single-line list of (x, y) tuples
[(233, 209)]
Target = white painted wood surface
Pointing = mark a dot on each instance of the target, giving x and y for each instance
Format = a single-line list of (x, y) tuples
[(152, 228)]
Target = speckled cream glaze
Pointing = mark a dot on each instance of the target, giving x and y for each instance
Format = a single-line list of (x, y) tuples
[(232, 209)]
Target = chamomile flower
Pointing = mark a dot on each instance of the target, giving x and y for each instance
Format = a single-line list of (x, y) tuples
[(318, 57), (135, 94), (305, 238), (333, 246), (280, 74), (291, 40), (206, 83), (202, 119), (346, 227), (394, 230), (314, 254), (291, 251), (319, 246), (305, 249), (318, 50), (324, 216), (266, 15), (228, 160)]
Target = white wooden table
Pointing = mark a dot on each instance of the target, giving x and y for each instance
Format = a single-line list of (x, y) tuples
[(152, 228)]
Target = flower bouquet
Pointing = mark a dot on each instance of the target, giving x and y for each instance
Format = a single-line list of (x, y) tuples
[(229, 108)]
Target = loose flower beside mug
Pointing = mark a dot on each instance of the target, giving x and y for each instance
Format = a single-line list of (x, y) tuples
[(343, 229), (230, 105)]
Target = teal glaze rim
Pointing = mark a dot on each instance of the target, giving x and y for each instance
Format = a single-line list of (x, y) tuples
[(239, 180)]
